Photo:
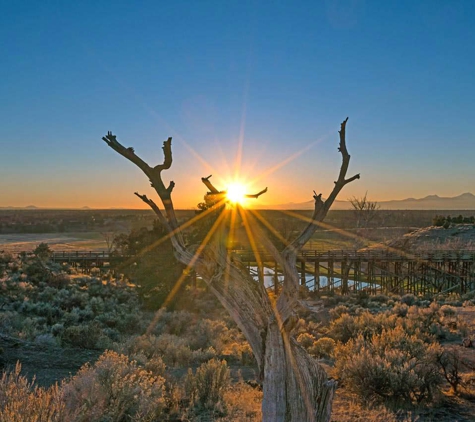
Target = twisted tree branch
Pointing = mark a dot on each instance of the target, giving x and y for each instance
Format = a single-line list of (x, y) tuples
[(288, 298), (256, 195), (322, 207), (167, 153)]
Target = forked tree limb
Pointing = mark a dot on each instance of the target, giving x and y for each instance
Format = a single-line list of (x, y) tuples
[(155, 208), (155, 177), (321, 207), (341, 181), (255, 195), (167, 154), (288, 300), (128, 153), (209, 185)]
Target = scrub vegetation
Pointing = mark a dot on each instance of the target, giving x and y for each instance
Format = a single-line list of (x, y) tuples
[(396, 358)]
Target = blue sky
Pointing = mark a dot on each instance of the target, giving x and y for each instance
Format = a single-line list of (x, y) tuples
[(280, 76)]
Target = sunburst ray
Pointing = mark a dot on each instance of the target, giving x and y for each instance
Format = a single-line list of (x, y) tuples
[(190, 265)]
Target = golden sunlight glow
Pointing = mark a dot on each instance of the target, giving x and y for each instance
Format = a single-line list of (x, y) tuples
[(236, 193)]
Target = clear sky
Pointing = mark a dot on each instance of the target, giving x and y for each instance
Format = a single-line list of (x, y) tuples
[(276, 77)]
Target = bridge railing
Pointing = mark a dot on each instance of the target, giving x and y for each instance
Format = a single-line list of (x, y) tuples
[(381, 255), (309, 254)]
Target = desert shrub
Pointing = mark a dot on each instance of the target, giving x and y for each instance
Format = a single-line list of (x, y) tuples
[(316, 328), (409, 299), (453, 364), (469, 295), (400, 309), (32, 308), (176, 323), (21, 400), (97, 305), (243, 403), (380, 298), (247, 356), (426, 322), (208, 333), (343, 328), (447, 311), (172, 349), (371, 304), (392, 366), (347, 327), (424, 303), (323, 347), (206, 387), (338, 311), (306, 340), (156, 366), (129, 323), (362, 297), (46, 340), (200, 355), (239, 352), (83, 336), (114, 389)]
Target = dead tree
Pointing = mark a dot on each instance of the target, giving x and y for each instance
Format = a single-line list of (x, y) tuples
[(364, 210), (295, 387)]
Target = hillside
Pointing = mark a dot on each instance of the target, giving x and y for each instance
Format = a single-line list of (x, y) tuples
[(465, 201)]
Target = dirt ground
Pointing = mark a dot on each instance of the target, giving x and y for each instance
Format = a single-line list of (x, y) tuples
[(46, 364), (90, 241)]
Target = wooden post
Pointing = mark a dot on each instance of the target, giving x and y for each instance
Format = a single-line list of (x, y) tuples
[(316, 285), (330, 273), (302, 273), (260, 274), (344, 277)]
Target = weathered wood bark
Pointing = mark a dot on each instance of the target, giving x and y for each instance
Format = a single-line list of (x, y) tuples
[(296, 388)]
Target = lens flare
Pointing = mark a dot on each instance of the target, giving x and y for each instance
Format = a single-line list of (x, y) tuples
[(236, 193)]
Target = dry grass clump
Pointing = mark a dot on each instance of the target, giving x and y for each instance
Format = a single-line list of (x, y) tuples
[(205, 388), (350, 411), (243, 403), (21, 400)]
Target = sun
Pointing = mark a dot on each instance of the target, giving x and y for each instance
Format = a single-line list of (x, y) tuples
[(236, 193)]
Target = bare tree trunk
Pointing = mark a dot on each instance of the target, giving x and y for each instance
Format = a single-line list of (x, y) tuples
[(295, 386)]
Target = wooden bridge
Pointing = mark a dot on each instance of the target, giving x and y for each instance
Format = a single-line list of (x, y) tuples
[(373, 271), (86, 260)]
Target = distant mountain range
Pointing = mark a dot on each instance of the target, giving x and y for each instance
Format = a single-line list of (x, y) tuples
[(29, 207), (465, 201)]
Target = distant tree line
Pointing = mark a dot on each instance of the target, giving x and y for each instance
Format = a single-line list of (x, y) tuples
[(442, 221)]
